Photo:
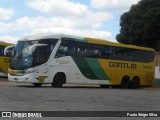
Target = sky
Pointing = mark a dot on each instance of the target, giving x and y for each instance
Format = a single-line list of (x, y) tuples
[(85, 18)]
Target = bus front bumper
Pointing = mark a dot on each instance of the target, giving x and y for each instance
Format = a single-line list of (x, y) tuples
[(28, 78)]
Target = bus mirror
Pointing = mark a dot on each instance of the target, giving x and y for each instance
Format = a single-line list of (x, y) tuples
[(8, 50), (33, 47)]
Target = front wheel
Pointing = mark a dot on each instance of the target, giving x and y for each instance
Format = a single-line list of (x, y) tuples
[(58, 80)]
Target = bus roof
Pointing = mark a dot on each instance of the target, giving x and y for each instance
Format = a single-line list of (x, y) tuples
[(45, 36), (86, 39), (106, 42)]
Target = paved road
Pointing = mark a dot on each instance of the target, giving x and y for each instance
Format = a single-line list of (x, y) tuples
[(25, 97)]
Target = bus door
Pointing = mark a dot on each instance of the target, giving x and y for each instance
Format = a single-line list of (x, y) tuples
[(40, 57), (75, 74), (64, 59)]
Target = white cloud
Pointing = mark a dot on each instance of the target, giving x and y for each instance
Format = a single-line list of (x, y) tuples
[(9, 39), (113, 5), (6, 14), (64, 17), (68, 9), (67, 17), (71, 26), (58, 7), (59, 25), (77, 32)]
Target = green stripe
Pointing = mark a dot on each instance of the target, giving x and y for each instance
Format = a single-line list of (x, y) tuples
[(84, 67), (97, 69), (90, 68)]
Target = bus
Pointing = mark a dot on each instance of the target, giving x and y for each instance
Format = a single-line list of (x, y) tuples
[(4, 60), (59, 59)]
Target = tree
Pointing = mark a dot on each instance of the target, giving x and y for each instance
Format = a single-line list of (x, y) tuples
[(141, 25)]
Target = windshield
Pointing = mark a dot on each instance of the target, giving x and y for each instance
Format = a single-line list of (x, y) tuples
[(21, 59)]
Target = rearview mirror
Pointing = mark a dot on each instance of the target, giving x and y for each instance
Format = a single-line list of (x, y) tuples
[(8, 50), (33, 47)]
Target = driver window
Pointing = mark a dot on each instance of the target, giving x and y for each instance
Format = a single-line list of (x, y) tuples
[(40, 55)]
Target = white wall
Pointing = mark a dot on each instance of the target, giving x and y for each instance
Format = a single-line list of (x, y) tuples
[(157, 72)]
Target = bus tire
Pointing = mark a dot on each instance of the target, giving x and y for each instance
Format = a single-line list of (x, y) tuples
[(104, 86), (59, 80), (125, 82), (37, 84), (135, 82)]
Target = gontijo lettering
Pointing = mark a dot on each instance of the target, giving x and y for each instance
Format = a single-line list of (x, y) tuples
[(122, 65)]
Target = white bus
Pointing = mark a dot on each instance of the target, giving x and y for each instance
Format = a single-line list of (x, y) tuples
[(60, 59)]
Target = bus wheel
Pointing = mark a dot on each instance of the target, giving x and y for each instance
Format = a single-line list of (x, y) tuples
[(135, 83), (58, 80), (37, 84), (125, 82), (105, 86)]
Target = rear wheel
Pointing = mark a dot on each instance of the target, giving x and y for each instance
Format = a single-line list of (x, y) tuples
[(37, 84), (58, 80), (125, 82), (135, 83)]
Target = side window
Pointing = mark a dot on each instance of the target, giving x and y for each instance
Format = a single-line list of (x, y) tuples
[(2, 50), (67, 48), (120, 53), (115, 52), (140, 56), (99, 51), (111, 52), (129, 54), (83, 49), (50, 44), (149, 56), (37, 55)]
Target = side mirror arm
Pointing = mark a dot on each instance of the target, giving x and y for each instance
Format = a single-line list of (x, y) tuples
[(33, 47), (8, 47)]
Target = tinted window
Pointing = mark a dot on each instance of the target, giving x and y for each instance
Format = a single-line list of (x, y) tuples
[(67, 48), (2, 50), (42, 54), (99, 51), (72, 47), (149, 56), (140, 56), (37, 56), (117, 53), (83, 49), (128, 54)]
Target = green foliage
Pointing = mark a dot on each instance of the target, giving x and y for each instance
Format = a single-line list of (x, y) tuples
[(141, 25)]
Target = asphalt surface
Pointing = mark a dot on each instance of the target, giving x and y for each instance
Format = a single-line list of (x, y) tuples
[(26, 97)]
